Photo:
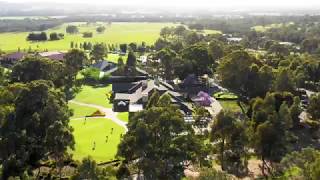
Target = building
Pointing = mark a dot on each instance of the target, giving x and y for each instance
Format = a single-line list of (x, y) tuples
[(53, 55), (12, 58)]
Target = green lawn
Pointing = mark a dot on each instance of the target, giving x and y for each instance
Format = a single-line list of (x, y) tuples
[(123, 116), (94, 95), (225, 96), (115, 33), (270, 26), (209, 31), (114, 58), (230, 106), (80, 111), (96, 130)]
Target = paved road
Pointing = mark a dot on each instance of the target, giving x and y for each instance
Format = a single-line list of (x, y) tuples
[(108, 112)]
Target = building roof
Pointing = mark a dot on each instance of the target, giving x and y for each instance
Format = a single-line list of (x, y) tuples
[(15, 56), (204, 99), (101, 65), (135, 107), (54, 55), (234, 39)]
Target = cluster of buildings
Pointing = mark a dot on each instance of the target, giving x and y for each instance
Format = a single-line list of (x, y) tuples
[(131, 93), (12, 58)]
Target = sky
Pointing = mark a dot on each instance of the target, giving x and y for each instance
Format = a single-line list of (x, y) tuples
[(194, 3)]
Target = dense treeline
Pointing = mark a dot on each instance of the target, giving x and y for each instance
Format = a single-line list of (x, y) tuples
[(27, 25), (244, 24), (268, 83)]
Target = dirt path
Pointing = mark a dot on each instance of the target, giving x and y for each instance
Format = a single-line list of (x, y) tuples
[(109, 113)]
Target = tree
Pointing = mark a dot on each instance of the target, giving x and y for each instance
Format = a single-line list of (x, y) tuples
[(234, 71), (159, 143), (56, 36), (87, 35), (133, 47), (304, 164), (35, 68), (198, 55), (99, 51), (284, 81), (201, 116), (132, 60), (314, 107), (295, 111), (71, 29), (71, 44), (37, 36), (270, 124), (75, 60), (30, 115), (100, 29), (179, 31), (89, 170), (154, 99), (220, 131), (192, 38), (167, 58), (278, 49), (4, 76), (58, 145), (166, 32), (265, 140), (215, 50), (123, 48)]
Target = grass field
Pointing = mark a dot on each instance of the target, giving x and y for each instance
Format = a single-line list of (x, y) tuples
[(96, 130), (94, 95), (114, 58), (270, 26), (230, 106), (123, 116), (115, 33), (80, 111)]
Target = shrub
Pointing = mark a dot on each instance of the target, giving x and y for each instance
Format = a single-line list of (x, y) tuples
[(105, 79), (37, 36), (56, 36), (91, 75), (101, 29), (87, 34), (71, 29), (98, 113)]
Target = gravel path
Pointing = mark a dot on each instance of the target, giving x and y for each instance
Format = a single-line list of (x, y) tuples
[(109, 113)]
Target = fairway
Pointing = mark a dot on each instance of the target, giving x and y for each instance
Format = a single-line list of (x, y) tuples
[(96, 130), (115, 33)]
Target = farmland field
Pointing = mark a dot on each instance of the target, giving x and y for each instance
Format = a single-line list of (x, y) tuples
[(93, 138), (115, 33), (270, 26)]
